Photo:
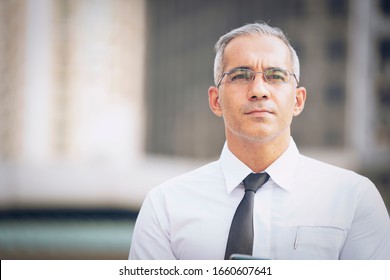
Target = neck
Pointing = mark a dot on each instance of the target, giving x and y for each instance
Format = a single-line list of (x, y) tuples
[(258, 155)]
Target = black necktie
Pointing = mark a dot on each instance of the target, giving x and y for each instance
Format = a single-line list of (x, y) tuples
[(240, 240)]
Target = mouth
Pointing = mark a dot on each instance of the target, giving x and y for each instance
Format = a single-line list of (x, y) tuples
[(259, 112)]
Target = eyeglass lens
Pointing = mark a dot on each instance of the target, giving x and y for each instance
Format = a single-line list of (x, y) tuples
[(273, 76)]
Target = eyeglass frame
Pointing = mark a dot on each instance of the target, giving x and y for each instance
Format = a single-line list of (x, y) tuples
[(259, 72)]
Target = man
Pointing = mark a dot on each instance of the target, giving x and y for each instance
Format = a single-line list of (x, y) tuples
[(305, 209)]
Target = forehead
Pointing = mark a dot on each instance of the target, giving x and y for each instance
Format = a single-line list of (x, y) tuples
[(257, 52)]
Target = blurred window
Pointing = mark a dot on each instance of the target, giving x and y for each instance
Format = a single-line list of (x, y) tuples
[(338, 8), (385, 7)]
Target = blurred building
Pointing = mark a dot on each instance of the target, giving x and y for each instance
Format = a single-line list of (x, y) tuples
[(102, 100)]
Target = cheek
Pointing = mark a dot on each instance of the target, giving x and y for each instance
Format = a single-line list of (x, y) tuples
[(288, 104), (229, 106), (286, 110)]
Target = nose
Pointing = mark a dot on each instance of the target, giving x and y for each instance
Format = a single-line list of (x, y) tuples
[(258, 88)]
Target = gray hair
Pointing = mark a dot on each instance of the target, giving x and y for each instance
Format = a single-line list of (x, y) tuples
[(246, 30)]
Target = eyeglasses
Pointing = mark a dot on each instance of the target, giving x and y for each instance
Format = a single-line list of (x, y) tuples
[(245, 76)]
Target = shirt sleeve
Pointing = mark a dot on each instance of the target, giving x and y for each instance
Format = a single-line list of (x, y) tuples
[(369, 235), (150, 239)]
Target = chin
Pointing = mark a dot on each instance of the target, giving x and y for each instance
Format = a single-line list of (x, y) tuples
[(257, 137), (263, 135), (260, 133)]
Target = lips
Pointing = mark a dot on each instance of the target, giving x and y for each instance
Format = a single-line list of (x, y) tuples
[(258, 111)]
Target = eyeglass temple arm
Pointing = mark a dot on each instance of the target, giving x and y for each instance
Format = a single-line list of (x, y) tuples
[(295, 77)]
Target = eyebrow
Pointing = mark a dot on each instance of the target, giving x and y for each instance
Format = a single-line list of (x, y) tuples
[(250, 68), (239, 67)]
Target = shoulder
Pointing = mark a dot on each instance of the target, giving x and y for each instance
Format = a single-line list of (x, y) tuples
[(320, 167), (338, 188), (206, 175), (197, 187), (321, 173)]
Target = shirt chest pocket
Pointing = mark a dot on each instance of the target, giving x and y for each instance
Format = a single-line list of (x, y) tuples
[(308, 242), (317, 242)]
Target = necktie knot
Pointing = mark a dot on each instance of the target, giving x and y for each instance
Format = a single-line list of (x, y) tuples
[(254, 181)]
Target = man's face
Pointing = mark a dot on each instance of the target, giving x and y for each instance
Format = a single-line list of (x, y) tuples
[(257, 111)]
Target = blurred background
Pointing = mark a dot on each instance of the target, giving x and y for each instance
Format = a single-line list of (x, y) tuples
[(100, 101)]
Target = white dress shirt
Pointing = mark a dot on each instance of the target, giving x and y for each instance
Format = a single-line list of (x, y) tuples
[(306, 210)]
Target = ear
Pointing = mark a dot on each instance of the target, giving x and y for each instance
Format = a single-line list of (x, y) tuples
[(214, 101), (300, 99)]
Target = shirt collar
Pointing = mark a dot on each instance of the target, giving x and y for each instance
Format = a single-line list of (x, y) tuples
[(234, 170), (281, 170)]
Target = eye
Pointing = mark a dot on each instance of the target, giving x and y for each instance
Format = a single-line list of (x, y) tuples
[(276, 76), (240, 75)]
